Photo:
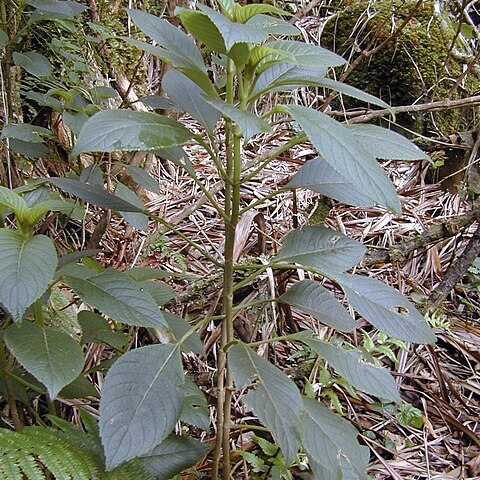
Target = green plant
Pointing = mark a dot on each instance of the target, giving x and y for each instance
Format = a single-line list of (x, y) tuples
[(71, 452), (146, 392)]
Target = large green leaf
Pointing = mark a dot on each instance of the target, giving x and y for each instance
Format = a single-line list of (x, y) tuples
[(286, 77), (141, 402), (11, 199), (51, 356), (58, 8), (34, 63), (385, 308), (170, 38), (195, 409), (141, 274), (143, 179), (118, 297), (386, 144), (203, 29), (232, 32), (274, 398), (96, 329), (244, 13), (308, 55), (3, 39), (35, 213), (126, 130), (272, 25), (188, 96), (27, 268), (317, 301), (320, 177), (94, 195), (318, 247), (248, 122), (352, 92), (174, 455), (160, 292), (266, 79), (179, 328), (327, 438), (349, 364), (340, 148), (177, 61), (137, 220), (25, 132), (28, 149)]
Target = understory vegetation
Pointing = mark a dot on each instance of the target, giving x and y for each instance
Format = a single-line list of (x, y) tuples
[(239, 240)]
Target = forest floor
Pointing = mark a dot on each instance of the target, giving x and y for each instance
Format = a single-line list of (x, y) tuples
[(442, 382)]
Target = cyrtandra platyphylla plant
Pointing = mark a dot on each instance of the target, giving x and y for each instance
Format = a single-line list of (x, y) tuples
[(146, 392)]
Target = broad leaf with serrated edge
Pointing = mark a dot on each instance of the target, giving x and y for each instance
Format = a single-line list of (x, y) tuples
[(244, 13), (353, 92), (34, 63), (141, 402), (136, 219), (195, 409), (25, 132), (52, 357), (320, 248), (27, 268), (179, 328), (174, 455), (320, 177), (126, 130), (232, 32), (348, 363), (203, 29), (274, 398), (273, 26), (386, 144), (188, 96), (308, 55), (317, 301), (169, 38), (285, 77), (385, 308), (36, 212), (340, 148), (327, 437), (94, 195), (96, 329), (59, 9), (178, 62), (118, 297), (143, 179), (248, 122), (13, 200), (160, 292)]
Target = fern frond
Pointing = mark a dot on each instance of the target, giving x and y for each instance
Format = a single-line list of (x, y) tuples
[(41, 453)]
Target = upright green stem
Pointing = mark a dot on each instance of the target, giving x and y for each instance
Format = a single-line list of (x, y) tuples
[(222, 445)]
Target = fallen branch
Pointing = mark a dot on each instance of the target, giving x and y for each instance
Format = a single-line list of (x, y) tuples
[(423, 107), (445, 229), (456, 271)]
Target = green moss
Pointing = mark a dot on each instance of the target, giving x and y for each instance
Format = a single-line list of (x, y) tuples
[(410, 68), (114, 19)]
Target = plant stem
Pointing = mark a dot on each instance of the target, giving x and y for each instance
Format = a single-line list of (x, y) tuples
[(222, 445)]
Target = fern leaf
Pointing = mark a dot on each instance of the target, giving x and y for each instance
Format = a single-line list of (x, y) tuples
[(29, 466), (67, 454), (9, 468)]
